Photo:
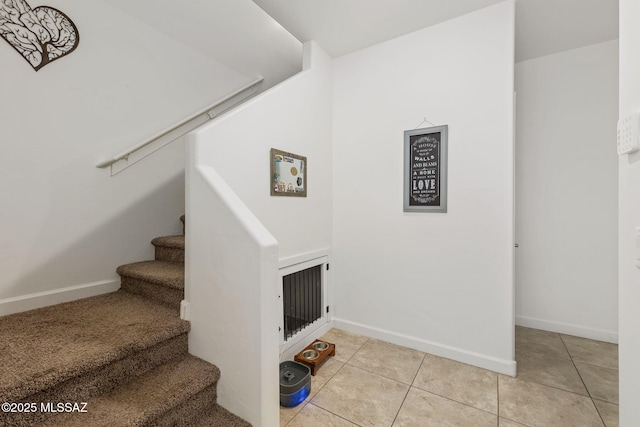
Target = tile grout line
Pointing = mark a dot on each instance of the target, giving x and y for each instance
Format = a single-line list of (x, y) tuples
[(498, 394), (336, 372), (589, 340), (410, 384), (448, 398), (337, 415), (577, 371), (383, 376), (401, 405), (359, 348), (546, 355), (455, 401), (308, 402), (424, 356), (330, 378), (460, 403), (558, 388), (292, 418), (581, 379), (575, 367), (533, 381), (342, 367), (323, 385)]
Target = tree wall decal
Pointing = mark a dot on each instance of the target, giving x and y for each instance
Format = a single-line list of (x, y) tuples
[(40, 35)]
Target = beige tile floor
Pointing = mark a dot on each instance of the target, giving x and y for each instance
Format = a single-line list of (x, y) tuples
[(562, 381)]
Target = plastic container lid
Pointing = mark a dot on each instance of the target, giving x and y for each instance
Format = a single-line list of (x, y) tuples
[(293, 376)]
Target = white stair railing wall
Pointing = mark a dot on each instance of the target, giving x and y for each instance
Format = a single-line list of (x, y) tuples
[(231, 300), (129, 157)]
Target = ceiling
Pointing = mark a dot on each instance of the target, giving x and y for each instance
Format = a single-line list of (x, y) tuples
[(543, 27)]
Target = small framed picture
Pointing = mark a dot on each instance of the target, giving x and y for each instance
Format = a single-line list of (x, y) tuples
[(425, 169), (288, 174)]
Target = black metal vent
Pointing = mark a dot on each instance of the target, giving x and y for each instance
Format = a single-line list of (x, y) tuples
[(302, 299)]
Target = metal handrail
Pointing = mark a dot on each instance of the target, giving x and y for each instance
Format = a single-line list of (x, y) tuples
[(125, 154)]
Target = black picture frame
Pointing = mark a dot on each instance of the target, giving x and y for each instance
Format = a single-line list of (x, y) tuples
[(425, 169)]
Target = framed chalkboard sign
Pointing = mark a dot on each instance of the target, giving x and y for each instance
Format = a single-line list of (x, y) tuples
[(425, 169)]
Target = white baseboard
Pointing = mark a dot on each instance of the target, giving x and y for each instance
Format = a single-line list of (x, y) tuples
[(185, 310), (502, 366), (568, 329), (56, 296)]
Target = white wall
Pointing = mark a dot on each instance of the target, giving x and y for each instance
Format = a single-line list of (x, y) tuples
[(295, 117), (63, 222), (231, 294), (629, 205), (566, 192), (231, 264), (442, 282), (236, 33)]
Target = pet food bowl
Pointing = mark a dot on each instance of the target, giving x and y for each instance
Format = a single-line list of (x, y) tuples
[(310, 354), (320, 345)]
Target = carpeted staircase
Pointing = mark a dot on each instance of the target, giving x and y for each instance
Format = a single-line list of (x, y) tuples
[(124, 354)]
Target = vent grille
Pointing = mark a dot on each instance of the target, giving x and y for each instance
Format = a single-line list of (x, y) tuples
[(302, 299)]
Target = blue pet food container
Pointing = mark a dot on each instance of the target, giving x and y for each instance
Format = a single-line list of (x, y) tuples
[(295, 383)]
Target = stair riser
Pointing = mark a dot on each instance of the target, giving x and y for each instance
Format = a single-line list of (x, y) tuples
[(218, 416), (168, 297), (174, 255), (105, 379), (180, 388), (184, 414)]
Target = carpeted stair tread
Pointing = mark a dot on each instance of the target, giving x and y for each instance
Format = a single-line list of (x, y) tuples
[(219, 417), (158, 272), (151, 398), (169, 249), (42, 348), (176, 242)]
